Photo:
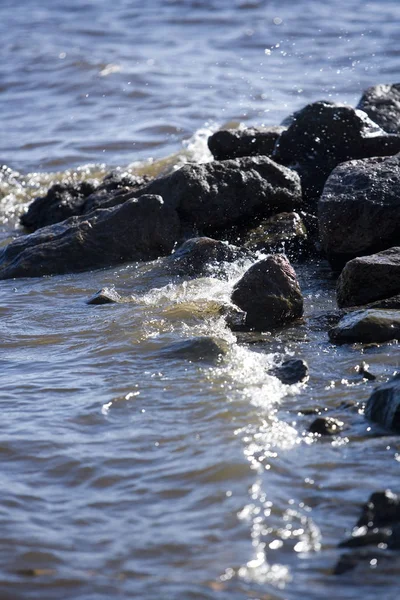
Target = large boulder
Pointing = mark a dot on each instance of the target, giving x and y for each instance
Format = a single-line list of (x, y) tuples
[(383, 406), (253, 141), (367, 326), (359, 210), (64, 200), (269, 293), (382, 105), (324, 134), (369, 278), (214, 196), (139, 229)]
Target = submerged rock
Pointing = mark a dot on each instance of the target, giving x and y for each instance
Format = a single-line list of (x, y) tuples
[(383, 406), (324, 134), (367, 326), (326, 426), (381, 509), (140, 229), (359, 210), (284, 232), (269, 293), (202, 256), (382, 105), (292, 370), (105, 296), (369, 278), (253, 141), (205, 348)]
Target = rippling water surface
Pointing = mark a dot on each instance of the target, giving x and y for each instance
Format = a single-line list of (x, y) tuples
[(129, 471)]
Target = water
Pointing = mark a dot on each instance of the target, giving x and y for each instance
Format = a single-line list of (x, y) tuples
[(128, 472)]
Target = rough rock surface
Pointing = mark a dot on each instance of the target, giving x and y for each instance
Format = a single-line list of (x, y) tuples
[(383, 406), (112, 189), (369, 278), (213, 196), (292, 370), (105, 296), (140, 229), (284, 232), (367, 326), (359, 210), (202, 256), (269, 293), (324, 134), (382, 105), (253, 141)]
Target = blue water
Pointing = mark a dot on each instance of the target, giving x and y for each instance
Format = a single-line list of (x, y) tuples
[(128, 472)]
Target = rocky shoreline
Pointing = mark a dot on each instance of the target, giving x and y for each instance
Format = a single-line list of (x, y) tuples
[(324, 184)]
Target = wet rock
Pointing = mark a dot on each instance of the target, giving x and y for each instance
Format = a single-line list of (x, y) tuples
[(362, 536), (324, 134), (381, 509), (202, 256), (139, 229), (213, 196), (359, 210), (365, 557), (269, 293), (367, 326), (105, 296), (234, 317), (63, 200), (204, 348), (383, 406), (326, 426), (369, 278), (382, 105), (234, 143), (284, 232), (112, 189), (292, 370), (363, 370)]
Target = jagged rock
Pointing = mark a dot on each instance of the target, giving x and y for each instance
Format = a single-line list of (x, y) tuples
[(269, 293), (383, 406), (201, 257), (253, 141), (367, 326), (382, 105), (205, 348), (213, 196), (139, 229), (63, 200), (292, 370), (112, 190), (326, 426), (324, 134), (284, 232), (367, 279), (359, 210), (105, 296)]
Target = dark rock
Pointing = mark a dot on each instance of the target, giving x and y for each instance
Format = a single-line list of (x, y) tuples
[(140, 229), (202, 257), (234, 143), (112, 190), (351, 560), (363, 536), (363, 370), (369, 278), (383, 406), (326, 426), (392, 302), (105, 296), (359, 210), (382, 105), (213, 196), (269, 293), (367, 326), (292, 370), (324, 134), (382, 509), (205, 348), (235, 318), (63, 200), (284, 232)]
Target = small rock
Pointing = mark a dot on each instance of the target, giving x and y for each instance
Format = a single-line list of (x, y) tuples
[(383, 406), (293, 370), (233, 143), (363, 370), (269, 293), (284, 232), (105, 296), (326, 426), (367, 326), (381, 509), (382, 105), (204, 348)]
